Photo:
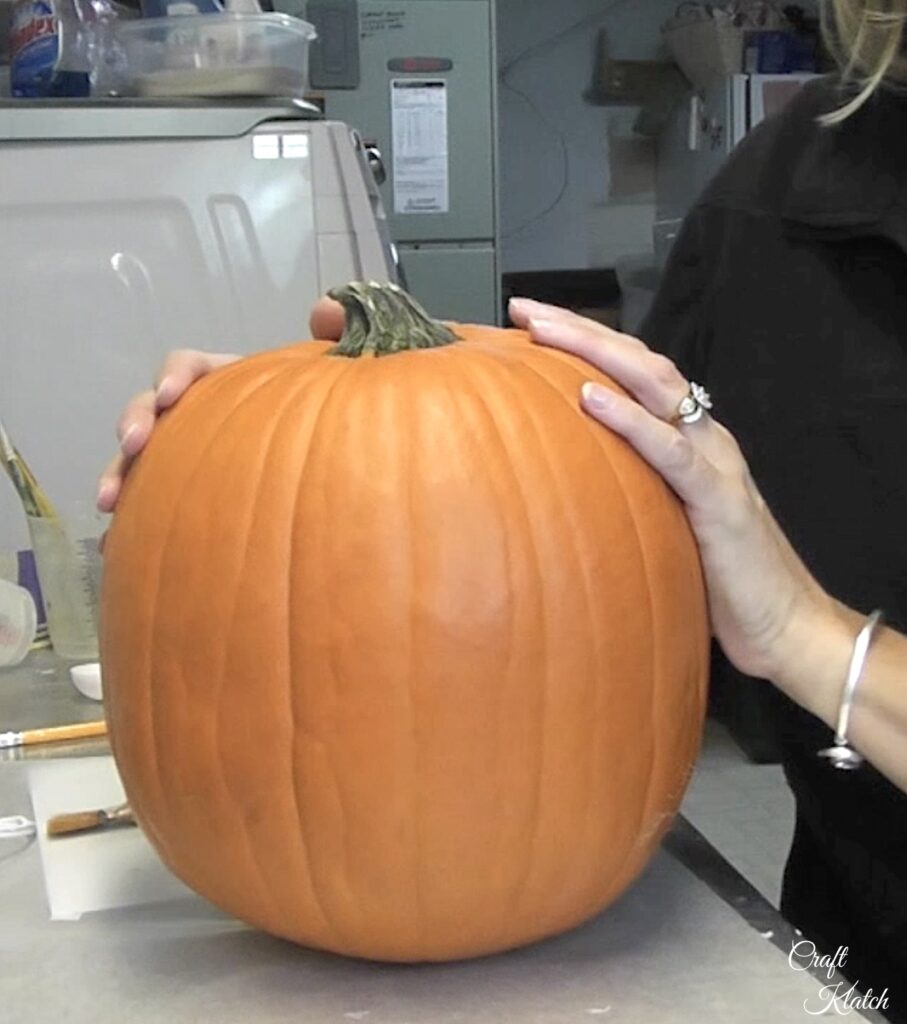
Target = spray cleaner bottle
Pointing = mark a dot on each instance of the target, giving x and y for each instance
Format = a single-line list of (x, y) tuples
[(57, 46)]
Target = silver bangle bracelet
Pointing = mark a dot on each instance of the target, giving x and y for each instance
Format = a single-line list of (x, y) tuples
[(842, 755)]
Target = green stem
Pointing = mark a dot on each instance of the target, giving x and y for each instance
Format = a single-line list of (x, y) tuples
[(382, 319)]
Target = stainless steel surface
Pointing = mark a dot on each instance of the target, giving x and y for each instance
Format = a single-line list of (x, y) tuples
[(39, 693), (690, 943), (670, 952)]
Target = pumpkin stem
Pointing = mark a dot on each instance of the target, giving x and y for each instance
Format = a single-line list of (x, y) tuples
[(382, 319)]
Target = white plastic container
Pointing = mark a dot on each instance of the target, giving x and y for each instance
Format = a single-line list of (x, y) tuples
[(216, 55), (87, 680), (18, 623)]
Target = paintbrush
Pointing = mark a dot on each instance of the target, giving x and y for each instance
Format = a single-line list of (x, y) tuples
[(34, 500), (89, 821), (54, 734)]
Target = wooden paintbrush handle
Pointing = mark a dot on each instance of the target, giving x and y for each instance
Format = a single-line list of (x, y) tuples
[(54, 734), (58, 733), (78, 821)]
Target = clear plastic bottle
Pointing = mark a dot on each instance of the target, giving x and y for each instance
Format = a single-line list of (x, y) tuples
[(57, 46), (68, 572)]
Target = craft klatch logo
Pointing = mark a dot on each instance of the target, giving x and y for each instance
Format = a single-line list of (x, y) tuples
[(838, 996)]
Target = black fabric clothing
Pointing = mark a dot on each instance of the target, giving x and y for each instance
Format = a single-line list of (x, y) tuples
[(786, 296)]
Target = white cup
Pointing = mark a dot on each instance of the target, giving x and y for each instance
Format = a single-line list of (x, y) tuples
[(87, 680), (18, 623)]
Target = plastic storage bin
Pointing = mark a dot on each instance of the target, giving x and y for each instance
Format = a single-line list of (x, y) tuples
[(216, 55), (706, 49)]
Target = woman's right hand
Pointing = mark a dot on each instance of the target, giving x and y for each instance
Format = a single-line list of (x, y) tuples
[(181, 369), (136, 423)]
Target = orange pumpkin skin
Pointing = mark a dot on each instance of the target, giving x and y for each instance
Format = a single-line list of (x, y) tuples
[(404, 657)]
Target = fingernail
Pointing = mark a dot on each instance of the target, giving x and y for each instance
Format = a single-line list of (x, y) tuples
[(596, 397), (541, 325), (164, 393), (127, 433), (105, 492)]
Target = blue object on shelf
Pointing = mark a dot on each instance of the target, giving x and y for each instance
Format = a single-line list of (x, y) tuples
[(779, 53), (34, 48), (56, 46)]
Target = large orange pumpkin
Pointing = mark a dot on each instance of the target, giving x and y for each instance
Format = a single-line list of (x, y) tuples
[(405, 656)]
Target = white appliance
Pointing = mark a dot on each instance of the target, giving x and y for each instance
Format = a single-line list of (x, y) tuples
[(129, 229), (700, 136)]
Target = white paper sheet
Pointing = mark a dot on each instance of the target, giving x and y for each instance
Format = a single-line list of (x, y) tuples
[(100, 870), (420, 167)]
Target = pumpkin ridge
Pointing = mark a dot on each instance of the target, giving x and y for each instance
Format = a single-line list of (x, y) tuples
[(129, 484), (653, 706), (421, 798), (312, 448), (542, 436), (380, 395), (251, 394), (601, 439), (525, 874), (652, 674), (315, 441), (301, 382), (478, 405), (581, 366), (624, 493), (481, 404), (150, 629), (334, 671), (418, 798)]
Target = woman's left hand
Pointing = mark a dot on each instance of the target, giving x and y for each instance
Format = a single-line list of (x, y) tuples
[(762, 598)]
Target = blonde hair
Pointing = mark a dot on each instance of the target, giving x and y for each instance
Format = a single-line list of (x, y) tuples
[(868, 39)]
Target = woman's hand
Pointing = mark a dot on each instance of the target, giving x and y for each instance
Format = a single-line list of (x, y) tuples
[(768, 613), (181, 369), (762, 598)]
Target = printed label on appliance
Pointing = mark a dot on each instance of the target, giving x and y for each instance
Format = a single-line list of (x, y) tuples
[(420, 158), (372, 23)]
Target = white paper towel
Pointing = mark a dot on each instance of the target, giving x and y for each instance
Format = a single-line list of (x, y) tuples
[(100, 870)]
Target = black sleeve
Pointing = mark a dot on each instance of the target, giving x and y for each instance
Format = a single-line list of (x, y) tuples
[(678, 323)]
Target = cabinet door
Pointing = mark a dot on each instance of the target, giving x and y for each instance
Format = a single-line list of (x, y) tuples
[(454, 283)]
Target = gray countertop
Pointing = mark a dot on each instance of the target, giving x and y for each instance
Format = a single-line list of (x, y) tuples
[(38, 693), (690, 943)]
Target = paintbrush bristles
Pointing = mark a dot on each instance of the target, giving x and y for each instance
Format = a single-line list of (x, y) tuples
[(33, 497)]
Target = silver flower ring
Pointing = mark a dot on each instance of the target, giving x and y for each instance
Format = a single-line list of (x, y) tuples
[(693, 405)]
